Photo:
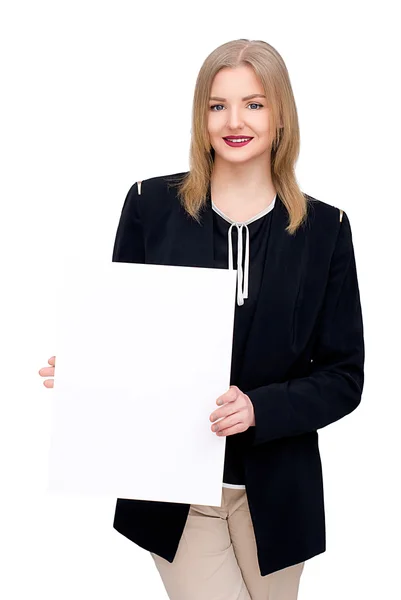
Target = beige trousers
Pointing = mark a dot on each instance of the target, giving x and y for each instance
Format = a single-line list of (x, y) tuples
[(217, 560)]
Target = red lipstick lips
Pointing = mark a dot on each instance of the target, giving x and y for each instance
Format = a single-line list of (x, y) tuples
[(237, 137)]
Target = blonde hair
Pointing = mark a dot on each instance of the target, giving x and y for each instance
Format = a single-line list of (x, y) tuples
[(270, 68)]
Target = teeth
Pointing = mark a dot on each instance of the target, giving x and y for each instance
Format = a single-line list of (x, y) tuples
[(239, 140)]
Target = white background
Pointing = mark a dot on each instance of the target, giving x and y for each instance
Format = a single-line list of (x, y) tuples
[(98, 95)]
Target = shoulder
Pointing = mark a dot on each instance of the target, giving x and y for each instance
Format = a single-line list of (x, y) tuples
[(330, 225), (161, 184), (324, 212), (156, 196)]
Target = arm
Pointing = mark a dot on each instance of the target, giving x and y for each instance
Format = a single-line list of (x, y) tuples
[(129, 244), (334, 387)]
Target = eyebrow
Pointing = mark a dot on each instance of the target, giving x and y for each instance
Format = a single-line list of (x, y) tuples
[(243, 99)]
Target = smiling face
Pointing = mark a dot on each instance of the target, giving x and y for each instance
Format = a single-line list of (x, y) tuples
[(237, 108)]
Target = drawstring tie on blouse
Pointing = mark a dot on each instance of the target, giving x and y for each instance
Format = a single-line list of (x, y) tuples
[(242, 275)]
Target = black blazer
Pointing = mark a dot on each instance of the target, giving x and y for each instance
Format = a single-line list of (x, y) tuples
[(302, 368)]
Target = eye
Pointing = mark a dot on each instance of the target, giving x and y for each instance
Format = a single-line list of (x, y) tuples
[(216, 106)]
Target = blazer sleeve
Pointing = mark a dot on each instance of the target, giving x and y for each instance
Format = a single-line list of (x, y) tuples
[(333, 388), (129, 241)]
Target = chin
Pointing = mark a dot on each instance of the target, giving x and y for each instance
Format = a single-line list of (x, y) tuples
[(239, 160), (236, 157)]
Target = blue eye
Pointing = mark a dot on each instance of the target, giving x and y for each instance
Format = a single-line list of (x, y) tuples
[(251, 104)]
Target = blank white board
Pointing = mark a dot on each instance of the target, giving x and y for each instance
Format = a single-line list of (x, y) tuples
[(143, 352)]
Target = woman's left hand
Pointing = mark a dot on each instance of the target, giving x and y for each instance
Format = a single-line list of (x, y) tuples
[(236, 414)]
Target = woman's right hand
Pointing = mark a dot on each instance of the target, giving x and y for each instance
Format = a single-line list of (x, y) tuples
[(48, 372)]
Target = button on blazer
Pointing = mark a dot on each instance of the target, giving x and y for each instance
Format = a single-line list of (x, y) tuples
[(303, 366)]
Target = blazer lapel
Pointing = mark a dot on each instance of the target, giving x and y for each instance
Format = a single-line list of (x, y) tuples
[(270, 344)]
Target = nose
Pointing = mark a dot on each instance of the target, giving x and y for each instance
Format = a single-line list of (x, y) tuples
[(234, 119)]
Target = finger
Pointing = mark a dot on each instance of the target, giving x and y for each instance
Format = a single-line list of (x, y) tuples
[(225, 411), (47, 372), (49, 383), (228, 422), (52, 361), (229, 396), (238, 428)]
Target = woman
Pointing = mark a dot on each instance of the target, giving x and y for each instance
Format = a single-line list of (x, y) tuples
[(298, 347)]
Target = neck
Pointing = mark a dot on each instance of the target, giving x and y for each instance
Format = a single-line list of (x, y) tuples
[(246, 188)]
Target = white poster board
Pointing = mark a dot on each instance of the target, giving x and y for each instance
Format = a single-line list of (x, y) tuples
[(143, 352)]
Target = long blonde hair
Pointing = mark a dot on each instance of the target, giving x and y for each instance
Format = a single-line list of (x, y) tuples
[(269, 66)]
